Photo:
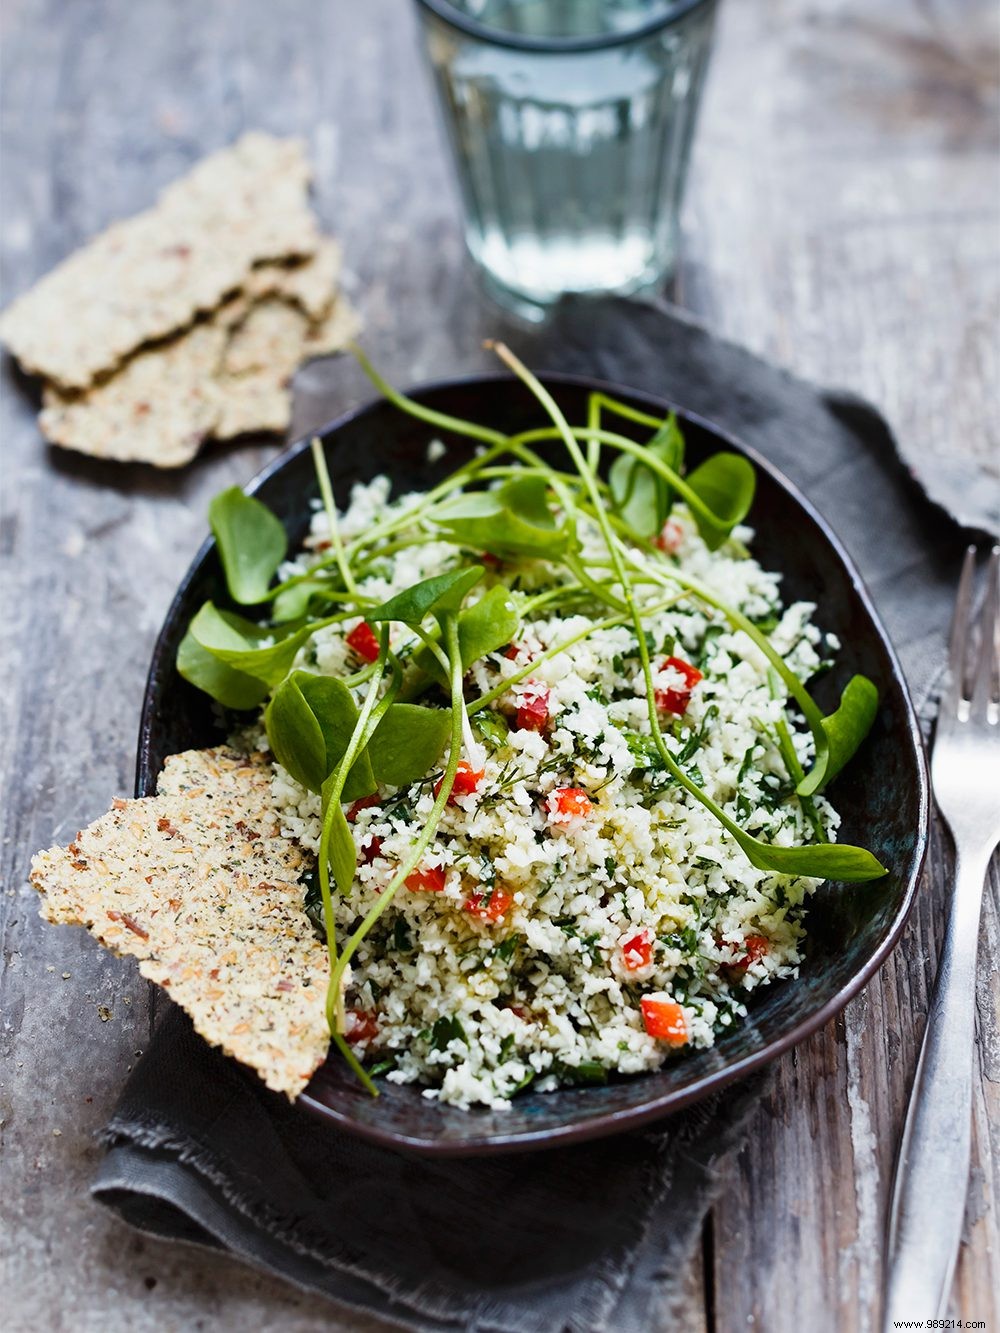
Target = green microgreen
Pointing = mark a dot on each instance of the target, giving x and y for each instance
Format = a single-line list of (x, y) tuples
[(251, 543)]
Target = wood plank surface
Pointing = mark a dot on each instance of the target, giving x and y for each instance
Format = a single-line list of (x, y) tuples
[(842, 219)]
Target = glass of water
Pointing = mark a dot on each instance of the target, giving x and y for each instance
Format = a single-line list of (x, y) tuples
[(570, 123)]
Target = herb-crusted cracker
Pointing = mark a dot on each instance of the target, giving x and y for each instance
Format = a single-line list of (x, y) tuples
[(311, 282), (200, 886), (227, 375), (159, 408), (146, 277), (262, 356)]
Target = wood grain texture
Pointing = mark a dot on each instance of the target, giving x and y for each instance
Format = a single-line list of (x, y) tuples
[(842, 219)]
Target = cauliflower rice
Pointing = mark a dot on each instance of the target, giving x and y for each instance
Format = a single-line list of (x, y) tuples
[(529, 965)]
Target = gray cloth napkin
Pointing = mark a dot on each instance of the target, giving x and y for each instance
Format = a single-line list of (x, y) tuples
[(589, 1238)]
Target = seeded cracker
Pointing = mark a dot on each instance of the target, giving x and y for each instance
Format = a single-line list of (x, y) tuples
[(255, 383), (166, 400), (159, 408), (144, 278), (311, 283), (199, 885)]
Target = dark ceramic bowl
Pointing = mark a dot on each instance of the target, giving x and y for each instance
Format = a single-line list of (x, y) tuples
[(882, 796)]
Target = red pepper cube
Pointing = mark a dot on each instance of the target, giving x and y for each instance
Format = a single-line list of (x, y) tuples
[(467, 779), (533, 710), (756, 947), (364, 641), (373, 849), (568, 803), (690, 673), (670, 538), (489, 906), (490, 560), (637, 951), (513, 650), (366, 803), (429, 880), (360, 1026), (675, 700), (672, 701), (664, 1020)]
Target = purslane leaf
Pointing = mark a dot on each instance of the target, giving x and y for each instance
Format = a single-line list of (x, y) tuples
[(726, 484), (513, 520), (487, 625), (229, 687), (247, 647), (251, 541), (310, 597), (482, 628), (407, 743), (844, 729), (824, 860), (295, 736), (333, 705), (442, 592), (643, 497), (309, 722), (343, 854)]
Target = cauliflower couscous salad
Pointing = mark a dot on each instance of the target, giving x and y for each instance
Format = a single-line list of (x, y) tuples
[(546, 780)]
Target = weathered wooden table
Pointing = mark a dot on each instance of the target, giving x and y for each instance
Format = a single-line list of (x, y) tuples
[(842, 219)]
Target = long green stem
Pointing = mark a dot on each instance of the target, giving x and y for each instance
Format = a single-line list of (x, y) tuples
[(791, 759), (433, 819), (326, 491), (624, 410), (415, 409), (334, 1000)]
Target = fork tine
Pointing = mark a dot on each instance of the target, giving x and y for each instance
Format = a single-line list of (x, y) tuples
[(954, 691), (988, 665)]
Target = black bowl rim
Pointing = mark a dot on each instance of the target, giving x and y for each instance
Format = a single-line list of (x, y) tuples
[(657, 1107)]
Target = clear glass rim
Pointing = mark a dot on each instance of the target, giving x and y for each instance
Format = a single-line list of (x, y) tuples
[(472, 27)]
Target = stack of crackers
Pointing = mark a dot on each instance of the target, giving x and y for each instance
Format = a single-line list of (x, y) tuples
[(187, 322)]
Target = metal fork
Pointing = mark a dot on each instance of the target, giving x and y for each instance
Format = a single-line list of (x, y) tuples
[(932, 1172)]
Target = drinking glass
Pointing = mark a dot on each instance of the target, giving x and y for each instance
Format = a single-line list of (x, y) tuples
[(570, 124)]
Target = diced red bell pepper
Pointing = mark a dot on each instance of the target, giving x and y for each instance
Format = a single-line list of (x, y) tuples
[(490, 560), (513, 649), (373, 849), (567, 803), (489, 906), (757, 947), (364, 641), (360, 1025), (533, 709), (676, 700), (467, 779), (637, 951), (670, 538), (664, 1020), (690, 673), (519, 1011), (429, 880), (365, 803)]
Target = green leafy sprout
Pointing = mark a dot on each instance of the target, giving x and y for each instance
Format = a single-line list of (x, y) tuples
[(346, 737)]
